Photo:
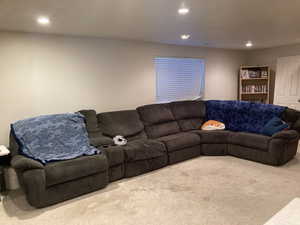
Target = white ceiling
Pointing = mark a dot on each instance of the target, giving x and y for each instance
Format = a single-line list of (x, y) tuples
[(214, 23)]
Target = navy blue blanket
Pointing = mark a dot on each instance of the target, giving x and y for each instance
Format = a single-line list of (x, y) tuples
[(53, 137), (242, 115)]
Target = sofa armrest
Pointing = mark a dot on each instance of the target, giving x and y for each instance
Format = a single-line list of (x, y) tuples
[(20, 162), (286, 135), (101, 141)]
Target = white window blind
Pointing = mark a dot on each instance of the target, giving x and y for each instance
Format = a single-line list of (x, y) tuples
[(179, 79)]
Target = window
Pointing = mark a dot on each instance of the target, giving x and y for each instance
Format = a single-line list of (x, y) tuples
[(179, 79)]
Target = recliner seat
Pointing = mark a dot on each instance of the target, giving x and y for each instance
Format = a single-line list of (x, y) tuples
[(54, 182), (141, 155), (160, 124)]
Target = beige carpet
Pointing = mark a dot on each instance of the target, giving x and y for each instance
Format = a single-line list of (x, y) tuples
[(202, 191)]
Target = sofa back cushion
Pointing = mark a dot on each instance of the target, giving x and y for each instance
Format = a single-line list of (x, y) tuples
[(190, 115), (126, 123), (158, 120), (90, 120)]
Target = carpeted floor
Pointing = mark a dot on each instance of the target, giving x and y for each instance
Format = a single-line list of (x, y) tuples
[(202, 191)]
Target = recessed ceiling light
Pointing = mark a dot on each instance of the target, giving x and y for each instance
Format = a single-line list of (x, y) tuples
[(183, 11), (43, 20), (185, 36), (249, 44)]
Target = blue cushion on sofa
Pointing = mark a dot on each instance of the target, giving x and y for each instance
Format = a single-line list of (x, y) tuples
[(273, 126)]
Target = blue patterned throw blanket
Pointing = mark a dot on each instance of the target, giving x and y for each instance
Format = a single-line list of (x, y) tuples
[(242, 115), (53, 137)]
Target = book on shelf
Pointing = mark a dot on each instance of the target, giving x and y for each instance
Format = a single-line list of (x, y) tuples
[(257, 88), (252, 74)]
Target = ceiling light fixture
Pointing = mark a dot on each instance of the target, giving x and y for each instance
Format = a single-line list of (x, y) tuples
[(249, 44), (183, 11), (43, 20), (185, 36)]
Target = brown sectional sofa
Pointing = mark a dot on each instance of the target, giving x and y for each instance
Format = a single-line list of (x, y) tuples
[(158, 135)]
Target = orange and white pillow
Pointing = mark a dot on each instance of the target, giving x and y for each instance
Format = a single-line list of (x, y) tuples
[(213, 125)]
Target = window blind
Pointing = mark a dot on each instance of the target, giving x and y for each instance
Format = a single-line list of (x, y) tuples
[(179, 79)]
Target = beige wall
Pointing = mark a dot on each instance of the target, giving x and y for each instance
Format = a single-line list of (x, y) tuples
[(269, 57), (42, 74)]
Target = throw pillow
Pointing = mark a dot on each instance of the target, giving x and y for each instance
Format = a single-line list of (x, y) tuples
[(213, 125), (273, 126)]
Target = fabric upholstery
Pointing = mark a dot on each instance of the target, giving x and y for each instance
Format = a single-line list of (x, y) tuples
[(213, 136), (90, 119), (250, 140), (283, 150), (190, 124), (13, 145), (179, 141), (292, 118), (53, 137), (155, 113), (163, 129), (143, 166), (23, 163), (242, 116), (63, 171), (189, 114), (116, 172), (143, 149), (289, 135), (115, 155), (126, 123), (38, 195), (184, 154), (100, 140), (252, 154), (214, 149), (158, 120)]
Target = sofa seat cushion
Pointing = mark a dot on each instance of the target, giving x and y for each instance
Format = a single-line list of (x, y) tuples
[(250, 140), (213, 136), (67, 170), (143, 150), (100, 140), (179, 141)]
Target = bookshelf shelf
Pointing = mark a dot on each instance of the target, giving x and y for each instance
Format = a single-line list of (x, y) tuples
[(254, 83), (255, 79), (255, 93)]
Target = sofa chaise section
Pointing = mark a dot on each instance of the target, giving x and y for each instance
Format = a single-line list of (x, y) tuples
[(276, 150)]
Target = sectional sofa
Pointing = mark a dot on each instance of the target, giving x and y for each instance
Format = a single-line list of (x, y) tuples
[(158, 135)]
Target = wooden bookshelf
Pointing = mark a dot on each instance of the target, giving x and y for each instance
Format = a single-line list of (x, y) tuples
[(254, 84)]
